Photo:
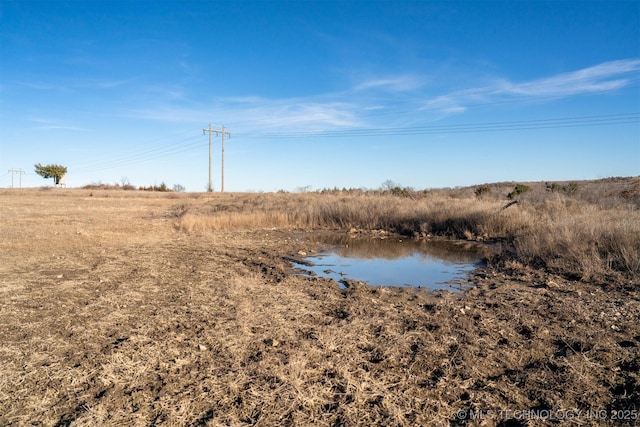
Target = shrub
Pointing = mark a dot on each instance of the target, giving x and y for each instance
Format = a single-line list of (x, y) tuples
[(554, 187), (401, 191), (482, 191), (162, 187), (570, 188), (519, 190)]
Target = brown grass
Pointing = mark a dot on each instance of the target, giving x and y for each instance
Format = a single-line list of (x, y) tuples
[(582, 239), (561, 233), (115, 311)]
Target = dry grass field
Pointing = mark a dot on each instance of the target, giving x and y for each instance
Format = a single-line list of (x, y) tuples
[(139, 308)]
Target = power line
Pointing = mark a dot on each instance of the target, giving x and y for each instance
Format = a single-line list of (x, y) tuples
[(478, 104), (140, 153), (634, 79), (172, 148), (142, 156), (178, 146), (630, 83), (578, 121)]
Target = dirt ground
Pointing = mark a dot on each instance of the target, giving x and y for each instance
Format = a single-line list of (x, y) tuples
[(112, 315)]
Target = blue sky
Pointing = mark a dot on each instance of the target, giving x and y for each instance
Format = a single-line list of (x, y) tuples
[(319, 93)]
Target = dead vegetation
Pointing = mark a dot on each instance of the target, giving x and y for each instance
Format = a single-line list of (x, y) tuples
[(564, 233), (135, 308)]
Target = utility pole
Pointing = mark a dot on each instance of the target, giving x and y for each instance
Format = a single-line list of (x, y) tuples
[(223, 133), (210, 130), (19, 172)]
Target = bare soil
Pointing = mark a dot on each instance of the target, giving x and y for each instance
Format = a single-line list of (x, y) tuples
[(110, 314)]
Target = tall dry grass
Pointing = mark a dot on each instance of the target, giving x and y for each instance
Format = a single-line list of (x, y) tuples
[(436, 215), (580, 239), (555, 232)]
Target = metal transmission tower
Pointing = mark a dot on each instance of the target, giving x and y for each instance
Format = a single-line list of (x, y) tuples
[(19, 172), (223, 133)]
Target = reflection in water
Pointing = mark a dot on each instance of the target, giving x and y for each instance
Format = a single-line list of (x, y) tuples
[(395, 262), (394, 248)]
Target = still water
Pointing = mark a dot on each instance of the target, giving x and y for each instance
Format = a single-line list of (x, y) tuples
[(395, 261)]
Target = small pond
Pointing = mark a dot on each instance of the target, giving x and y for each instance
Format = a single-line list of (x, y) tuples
[(395, 261)]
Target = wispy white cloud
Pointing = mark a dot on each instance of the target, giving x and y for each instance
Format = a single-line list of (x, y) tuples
[(257, 113), (445, 104), (60, 127), (107, 84), (602, 77), (395, 84), (42, 86), (73, 85), (170, 113), (392, 96), (170, 92), (374, 108), (53, 124), (295, 113)]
